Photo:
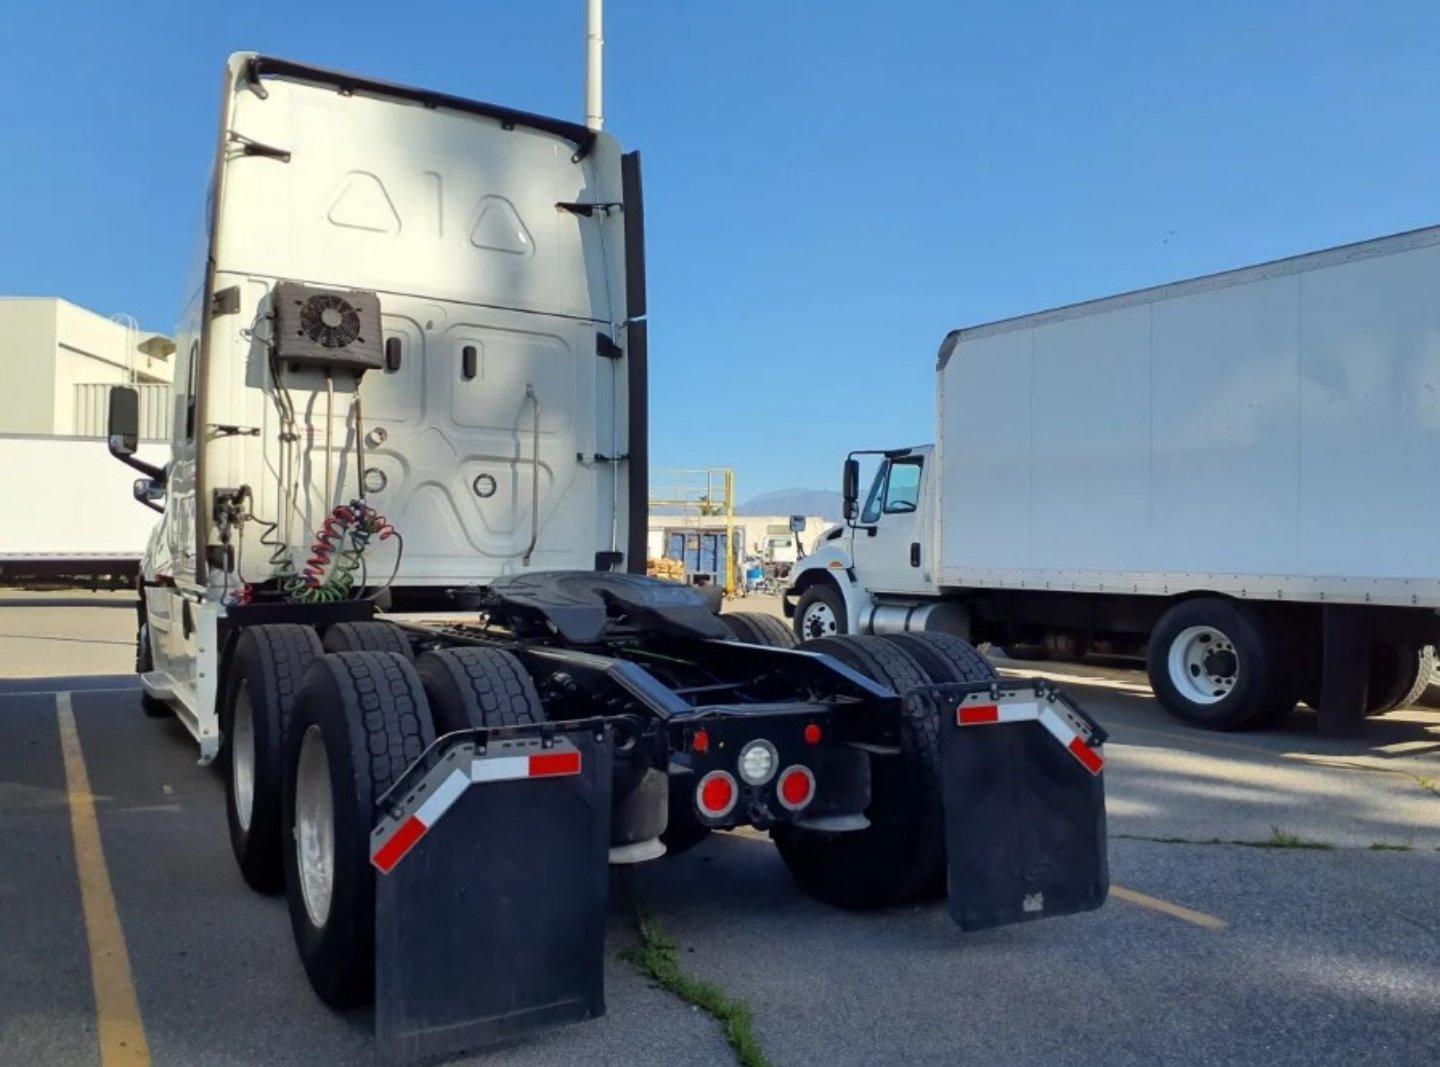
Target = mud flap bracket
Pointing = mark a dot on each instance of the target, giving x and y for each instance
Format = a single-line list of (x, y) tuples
[(491, 891)]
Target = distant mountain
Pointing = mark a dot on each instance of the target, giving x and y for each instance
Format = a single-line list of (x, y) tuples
[(823, 502)]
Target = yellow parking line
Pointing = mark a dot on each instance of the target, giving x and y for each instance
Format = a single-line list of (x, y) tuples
[(1164, 907), (122, 1035)]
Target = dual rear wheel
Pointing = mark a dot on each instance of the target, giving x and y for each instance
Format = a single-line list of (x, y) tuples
[(900, 857), (316, 734)]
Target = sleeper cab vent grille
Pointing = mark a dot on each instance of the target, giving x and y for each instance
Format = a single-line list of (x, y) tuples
[(338, 329)]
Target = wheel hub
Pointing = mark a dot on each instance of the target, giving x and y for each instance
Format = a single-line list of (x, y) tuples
[(314, 826), (1203, 664), (242, 756), (819, 621)]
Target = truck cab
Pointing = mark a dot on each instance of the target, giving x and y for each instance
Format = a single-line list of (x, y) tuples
[(883, 550)]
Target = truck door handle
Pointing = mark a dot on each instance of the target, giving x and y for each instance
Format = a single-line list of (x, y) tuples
[(469, 362), (914, 553)]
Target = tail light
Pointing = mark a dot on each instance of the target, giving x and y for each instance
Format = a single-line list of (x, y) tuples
[(796, 787), (716, 794)]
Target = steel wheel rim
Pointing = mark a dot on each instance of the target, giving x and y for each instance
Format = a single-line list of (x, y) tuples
[(242, 756), (1203, 665), (314, 826), (819, 620)]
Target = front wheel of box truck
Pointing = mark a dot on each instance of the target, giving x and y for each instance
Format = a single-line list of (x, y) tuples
[(264, 674), (361, 718), (1220, 664), (820, 612)]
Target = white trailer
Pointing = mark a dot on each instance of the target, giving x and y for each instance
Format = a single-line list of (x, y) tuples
[(1235, 469), (71, 516)]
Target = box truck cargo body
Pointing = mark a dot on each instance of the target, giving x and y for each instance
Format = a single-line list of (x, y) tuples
[(1260, 443)]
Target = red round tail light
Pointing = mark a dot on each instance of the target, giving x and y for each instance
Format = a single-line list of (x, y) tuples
[(796, 787), (716, 795)]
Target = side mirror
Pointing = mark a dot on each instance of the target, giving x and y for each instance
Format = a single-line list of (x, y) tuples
[(149, 493), (850, 488), (123, 430), (123, 426)]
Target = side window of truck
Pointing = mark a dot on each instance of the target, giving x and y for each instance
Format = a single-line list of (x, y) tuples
[(902, 488)]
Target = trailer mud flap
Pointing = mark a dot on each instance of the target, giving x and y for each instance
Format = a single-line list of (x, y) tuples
[(491, 891), (1024, 801)]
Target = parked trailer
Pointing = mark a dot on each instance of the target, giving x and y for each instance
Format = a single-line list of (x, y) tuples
[(70, 517), (430, 793), (1222, 472)]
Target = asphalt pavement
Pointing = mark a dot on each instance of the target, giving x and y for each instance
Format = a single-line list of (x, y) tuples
[(1316, 940)]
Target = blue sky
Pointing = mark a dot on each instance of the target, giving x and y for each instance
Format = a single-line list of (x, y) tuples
[(830, 187)]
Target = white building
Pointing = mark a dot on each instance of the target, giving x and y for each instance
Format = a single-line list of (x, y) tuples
[(58, 362)]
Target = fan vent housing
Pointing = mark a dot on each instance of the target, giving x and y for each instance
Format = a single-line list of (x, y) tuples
[(334, 328)]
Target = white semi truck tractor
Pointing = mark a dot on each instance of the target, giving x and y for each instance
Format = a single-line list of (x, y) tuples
[(398, 589), (1228, 475)]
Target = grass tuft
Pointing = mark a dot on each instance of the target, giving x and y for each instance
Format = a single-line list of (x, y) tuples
[(657, 958), (1285, 839), (1386, 846)]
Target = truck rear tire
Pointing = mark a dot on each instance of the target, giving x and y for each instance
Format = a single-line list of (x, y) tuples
[(1430, 697), (1424, 674), (476, 687), (1399, 673), (753, 628), (820, 613), (945, 658), (1220, 665), (371, 636), (264, 675), (360, 720), (900, 857)]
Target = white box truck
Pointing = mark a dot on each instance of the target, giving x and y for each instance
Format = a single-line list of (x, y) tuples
[(1233, 473)]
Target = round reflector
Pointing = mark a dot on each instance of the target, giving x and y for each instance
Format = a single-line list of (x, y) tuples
[(812, 733), (716, 794), (796, 787)]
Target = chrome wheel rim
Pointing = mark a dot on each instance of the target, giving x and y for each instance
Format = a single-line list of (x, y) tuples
[(242, 756), (314, 826), (1203, 664)]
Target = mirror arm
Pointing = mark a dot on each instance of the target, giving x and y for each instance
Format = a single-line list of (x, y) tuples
[(155, 474), (153, 506)]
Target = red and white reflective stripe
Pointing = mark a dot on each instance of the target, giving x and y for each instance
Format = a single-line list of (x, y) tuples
[(540, 765), (552, 763), (426, 815), (1031, 711), (983, 714), (1091, 760)]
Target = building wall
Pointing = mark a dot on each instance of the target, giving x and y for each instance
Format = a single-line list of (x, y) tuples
[(49, 348), (27, 353)]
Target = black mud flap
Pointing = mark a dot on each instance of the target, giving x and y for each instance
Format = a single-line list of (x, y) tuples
[(491, 890), (1024, 802)]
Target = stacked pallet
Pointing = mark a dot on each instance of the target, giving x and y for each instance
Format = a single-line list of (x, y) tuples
[(672, 570)]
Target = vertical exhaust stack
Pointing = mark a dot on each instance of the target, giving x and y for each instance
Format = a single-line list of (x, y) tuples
[(594, 74)]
